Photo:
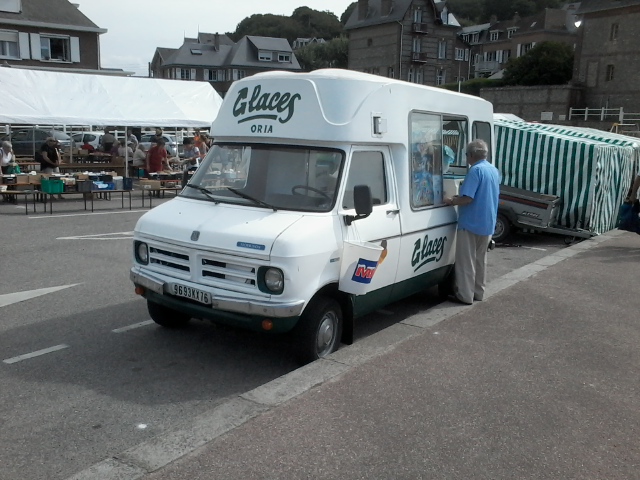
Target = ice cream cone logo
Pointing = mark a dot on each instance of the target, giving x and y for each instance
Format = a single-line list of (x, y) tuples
[(383, 255)]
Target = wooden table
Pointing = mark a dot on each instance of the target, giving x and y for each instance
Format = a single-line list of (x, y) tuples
[(155, 192), (92, 167), (25, 194), (106, 194)]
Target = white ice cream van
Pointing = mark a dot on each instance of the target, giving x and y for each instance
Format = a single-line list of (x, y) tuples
[(320, 202)]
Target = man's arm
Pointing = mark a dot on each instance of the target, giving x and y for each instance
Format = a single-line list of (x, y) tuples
[(45, 155), (458, 200)]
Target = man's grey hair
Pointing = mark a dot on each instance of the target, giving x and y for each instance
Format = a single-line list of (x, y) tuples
[(478, 147), (7, 144)]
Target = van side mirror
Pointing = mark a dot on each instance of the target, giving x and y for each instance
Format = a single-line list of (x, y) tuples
[(362, 201)]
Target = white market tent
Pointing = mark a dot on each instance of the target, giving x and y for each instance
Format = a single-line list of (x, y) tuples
[(31, 97)]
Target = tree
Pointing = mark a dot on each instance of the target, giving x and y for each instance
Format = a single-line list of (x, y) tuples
[(548, 63), (467, 11), (277, 26), (317, 24), (479, 11), (333, 54)]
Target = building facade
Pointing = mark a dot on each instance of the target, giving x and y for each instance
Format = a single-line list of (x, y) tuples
[(608, 56), (494, 43), (49, 35), (217, 59), (412, 40)]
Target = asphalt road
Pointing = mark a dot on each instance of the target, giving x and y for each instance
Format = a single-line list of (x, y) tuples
[(85, 374)]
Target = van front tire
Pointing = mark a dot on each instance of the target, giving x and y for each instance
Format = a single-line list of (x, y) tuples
[(319, 330), (167, 317)]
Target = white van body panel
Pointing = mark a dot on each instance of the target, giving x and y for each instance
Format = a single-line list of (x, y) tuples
[(220, 243)]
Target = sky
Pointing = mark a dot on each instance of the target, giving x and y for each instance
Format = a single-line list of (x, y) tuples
[(137, 27)]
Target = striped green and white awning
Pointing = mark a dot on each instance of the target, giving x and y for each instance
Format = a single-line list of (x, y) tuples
[(591, 171)]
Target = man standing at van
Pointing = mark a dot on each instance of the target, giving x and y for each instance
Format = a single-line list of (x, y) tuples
[(477, 212)]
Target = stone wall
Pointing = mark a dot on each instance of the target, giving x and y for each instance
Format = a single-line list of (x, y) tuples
[(549, 104)]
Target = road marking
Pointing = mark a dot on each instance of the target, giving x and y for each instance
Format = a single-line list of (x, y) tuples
[(131, 327), (86, 214), (100, 236), (38, 353), (11, 298)]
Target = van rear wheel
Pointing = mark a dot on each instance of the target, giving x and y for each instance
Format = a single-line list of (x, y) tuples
[(319, 330), (167, 317)]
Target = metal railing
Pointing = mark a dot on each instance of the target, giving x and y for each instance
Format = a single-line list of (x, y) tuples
[(604, 114)]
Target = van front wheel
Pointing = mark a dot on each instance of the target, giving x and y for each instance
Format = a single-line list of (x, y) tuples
[(167, 317), (319, 330)]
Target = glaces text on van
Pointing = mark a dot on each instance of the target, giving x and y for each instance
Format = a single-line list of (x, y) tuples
[(267, 102), (426, 251)]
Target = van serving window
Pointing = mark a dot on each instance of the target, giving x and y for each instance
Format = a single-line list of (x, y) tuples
[(426, 159)]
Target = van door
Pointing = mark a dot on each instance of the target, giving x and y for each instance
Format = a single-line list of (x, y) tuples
[(372, 166)]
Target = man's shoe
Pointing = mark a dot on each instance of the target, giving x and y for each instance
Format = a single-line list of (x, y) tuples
[(455, 299)]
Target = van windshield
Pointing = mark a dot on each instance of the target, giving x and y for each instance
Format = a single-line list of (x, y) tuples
[(269, 176)]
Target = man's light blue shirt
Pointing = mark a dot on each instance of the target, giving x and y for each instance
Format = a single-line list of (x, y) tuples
[(482, 183)]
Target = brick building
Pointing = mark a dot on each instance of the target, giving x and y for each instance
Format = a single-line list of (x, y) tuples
[(412, 40), (494, 43), (608, 55), (49, 35)]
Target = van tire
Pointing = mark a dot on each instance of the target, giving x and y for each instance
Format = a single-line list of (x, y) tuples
[(318, 332), (167, 317), (503, 228)]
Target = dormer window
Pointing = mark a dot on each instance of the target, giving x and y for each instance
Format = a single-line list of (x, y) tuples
[(510, 32), (284, 57), (475, 38), (495, 36), (265, 56)]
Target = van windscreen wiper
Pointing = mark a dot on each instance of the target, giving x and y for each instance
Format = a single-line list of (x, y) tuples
[(208, 193), (249, 197)]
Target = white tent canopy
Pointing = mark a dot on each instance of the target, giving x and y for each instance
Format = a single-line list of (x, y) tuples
[(31, 97)]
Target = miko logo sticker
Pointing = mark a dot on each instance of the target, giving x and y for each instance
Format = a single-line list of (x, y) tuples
[(364, 271)]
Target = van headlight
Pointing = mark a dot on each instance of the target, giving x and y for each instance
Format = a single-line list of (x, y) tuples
[(141, 251), (271, 280)]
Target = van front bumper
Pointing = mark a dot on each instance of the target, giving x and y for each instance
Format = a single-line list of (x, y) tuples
[(222, 302)]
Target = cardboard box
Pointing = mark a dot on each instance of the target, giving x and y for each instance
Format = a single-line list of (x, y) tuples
[(82, 176), (22, 178), (34, 179), (150, 184)]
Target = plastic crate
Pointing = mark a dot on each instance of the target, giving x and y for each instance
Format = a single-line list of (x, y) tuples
[(127, 183), (84, 186), (52, 185)]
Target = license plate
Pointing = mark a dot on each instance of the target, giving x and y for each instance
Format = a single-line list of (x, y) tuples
[(190, 293)]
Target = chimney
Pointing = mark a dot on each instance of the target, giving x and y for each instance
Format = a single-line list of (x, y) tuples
[(385, 7), (516, 17), (493, 20), (216, 41), (363, 8)]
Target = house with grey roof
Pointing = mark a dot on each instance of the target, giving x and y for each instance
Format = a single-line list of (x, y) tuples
[(412, 40), (217, 59), (49, 35)]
